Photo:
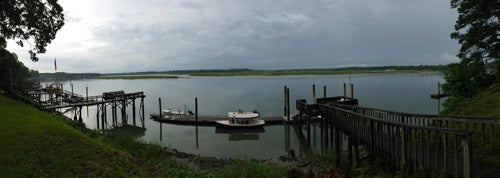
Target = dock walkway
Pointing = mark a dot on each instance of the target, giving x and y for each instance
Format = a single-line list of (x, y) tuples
[(209, 120)]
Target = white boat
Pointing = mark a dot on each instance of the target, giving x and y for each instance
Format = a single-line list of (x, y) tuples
[(242, 119), (175, 113)]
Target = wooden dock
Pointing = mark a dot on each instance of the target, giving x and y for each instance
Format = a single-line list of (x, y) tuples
[(208, 120), (54, 97)]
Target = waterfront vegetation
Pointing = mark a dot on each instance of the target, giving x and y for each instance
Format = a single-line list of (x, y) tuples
[(485, 104), (133, 77)]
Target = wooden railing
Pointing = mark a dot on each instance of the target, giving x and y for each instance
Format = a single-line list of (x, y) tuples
[(433, 142), (483, 129), (404, 145)]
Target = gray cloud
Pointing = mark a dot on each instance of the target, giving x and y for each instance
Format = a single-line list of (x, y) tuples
[(274, 34)]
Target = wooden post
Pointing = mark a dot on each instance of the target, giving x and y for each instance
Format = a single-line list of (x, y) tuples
[(196, 109), (284, 100), (445, 159), (324, 91), (86, 93), (337, 146), (288, 104), (80, 119), (133, 110), (345, 91), (467, 158), (159, 109), (97, 117), (314, 93), (403, 146), (143, 114)]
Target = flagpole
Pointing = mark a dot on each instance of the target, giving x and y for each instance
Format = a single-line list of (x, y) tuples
[(55, 70)]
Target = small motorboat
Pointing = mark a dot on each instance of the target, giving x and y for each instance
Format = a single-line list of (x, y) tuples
[(176, 113), (242, 119)]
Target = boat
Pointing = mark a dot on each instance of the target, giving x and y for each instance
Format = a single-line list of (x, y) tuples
[(242, 119), (175, 113)]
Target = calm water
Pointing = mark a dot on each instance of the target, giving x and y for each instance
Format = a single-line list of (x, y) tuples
[(218, 95)]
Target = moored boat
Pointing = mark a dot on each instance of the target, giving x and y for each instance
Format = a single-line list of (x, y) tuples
[(241, 119)]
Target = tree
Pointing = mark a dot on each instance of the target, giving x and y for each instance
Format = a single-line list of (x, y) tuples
[(31, 20), (13, 73), (477, 31)]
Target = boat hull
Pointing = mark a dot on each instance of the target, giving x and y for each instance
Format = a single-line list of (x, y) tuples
[(226, 123)]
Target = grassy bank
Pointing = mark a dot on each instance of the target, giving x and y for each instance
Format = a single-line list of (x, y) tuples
[(133, 77), (35, 143), (485, 104)]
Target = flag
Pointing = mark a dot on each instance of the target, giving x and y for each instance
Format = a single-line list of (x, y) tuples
[(55, 64)]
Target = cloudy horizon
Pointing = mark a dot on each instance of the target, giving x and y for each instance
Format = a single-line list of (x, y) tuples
[(155, 35)]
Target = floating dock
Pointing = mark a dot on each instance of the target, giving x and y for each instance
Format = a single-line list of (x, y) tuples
[(207, 120)]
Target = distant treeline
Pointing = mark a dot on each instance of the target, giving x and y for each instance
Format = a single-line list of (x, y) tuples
[(63, 76)]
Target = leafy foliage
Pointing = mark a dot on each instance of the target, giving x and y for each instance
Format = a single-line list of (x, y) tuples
[(13, 73), (36, 20), (477, 30)]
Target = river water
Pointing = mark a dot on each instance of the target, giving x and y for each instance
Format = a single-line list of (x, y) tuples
[(218, 95)]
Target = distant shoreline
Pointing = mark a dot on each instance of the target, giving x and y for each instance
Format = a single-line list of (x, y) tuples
[(134, 77), (62, 76)]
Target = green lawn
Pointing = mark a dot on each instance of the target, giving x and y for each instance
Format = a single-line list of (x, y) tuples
[(33, 143)]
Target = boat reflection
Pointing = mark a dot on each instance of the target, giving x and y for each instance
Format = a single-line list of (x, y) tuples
[(240, 133)]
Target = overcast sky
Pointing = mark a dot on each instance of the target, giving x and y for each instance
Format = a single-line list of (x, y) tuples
[(109, 36)]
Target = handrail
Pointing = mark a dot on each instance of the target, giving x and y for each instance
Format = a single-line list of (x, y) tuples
[(430, 128), (473, 119), (402, 144)]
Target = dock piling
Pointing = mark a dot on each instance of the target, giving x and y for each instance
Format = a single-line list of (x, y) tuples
[(345, 91), (159, 105), (284, 101), (196, 109), (324, 91), (288, 104), (314, 93)]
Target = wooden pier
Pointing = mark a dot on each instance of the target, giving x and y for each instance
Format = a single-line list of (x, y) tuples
[(433, 142), (206, 120), (54, 97)]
